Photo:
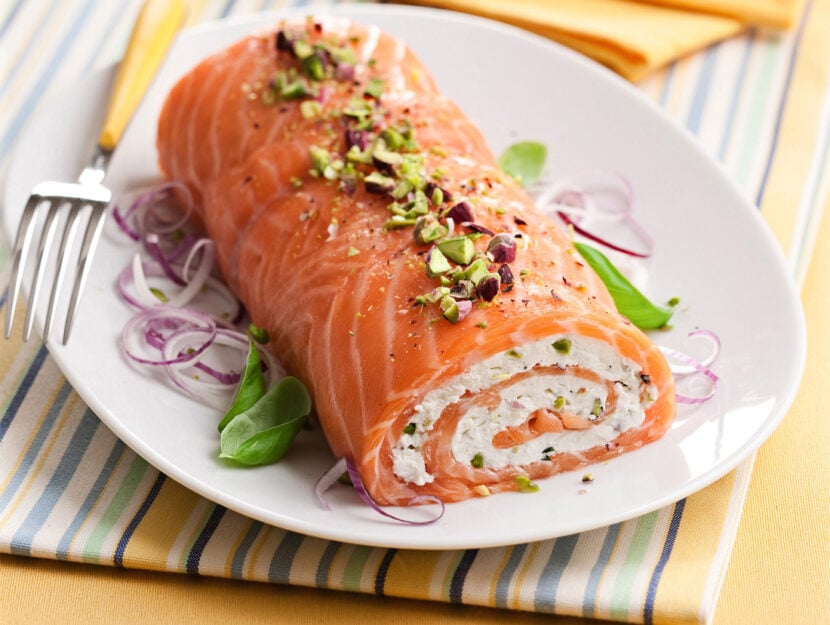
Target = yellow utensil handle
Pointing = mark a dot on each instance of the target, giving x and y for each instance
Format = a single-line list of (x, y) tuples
[(154, 31)]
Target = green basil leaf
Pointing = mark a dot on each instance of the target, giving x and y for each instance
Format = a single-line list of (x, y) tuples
[(524, 161), (250, 389), (630, 302), (263, 433)]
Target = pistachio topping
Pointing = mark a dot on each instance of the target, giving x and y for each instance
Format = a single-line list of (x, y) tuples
[(369, 147)]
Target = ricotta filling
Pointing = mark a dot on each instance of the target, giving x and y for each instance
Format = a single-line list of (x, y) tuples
[(473, 436)]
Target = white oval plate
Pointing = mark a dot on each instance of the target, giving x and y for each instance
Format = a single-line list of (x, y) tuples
[(712, 250)]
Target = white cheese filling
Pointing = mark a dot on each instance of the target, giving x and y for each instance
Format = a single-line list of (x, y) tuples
[(558, 391)]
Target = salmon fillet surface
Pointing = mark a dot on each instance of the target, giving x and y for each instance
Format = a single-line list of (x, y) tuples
[(452, 337)]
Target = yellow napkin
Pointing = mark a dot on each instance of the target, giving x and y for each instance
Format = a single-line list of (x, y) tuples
[(633, 37)]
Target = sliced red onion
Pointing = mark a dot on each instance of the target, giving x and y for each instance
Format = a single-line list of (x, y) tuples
[(125, 227), (151, 243), (327, 480), (195, 284), (178, 318), (689, 365), (577, 200), (347, 465), (151, 214)]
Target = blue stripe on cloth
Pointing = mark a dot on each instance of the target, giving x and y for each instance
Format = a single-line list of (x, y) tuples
[(117, 451), (21, 542), (30, 102), (668, 79), (460, 574), (227, 8), (589, 602), (110, 28), (668, 545), (118, 556), (27, 50), (280, 568), (195, 555), (739, 84), (321, 575), (503, 583), (21, 392), (241, 553), (704, 81), (544, 599), (782, 105), (33, 452), (10, 17), (383, 571)]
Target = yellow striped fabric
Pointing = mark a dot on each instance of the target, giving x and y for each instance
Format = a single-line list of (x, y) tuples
[(70, 490)]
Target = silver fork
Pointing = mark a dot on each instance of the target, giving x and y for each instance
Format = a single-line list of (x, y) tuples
[(84, 203)]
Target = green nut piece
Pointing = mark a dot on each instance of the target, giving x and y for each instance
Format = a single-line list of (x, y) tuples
[(437, 263), (458, 249)]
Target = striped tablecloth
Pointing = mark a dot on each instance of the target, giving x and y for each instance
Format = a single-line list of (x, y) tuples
[(70, 490)]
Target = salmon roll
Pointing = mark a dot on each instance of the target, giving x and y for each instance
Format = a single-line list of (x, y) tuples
[(454, 341)]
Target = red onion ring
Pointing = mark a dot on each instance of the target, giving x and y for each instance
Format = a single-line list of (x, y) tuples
[(694, 365), (347, 465), (574, 200)]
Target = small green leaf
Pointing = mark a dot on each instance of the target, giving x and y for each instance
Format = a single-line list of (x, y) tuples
[(630, 302), (524, 161), (263, 433), (251, 387)]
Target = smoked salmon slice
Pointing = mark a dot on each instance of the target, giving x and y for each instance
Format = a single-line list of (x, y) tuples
[(452, 337)]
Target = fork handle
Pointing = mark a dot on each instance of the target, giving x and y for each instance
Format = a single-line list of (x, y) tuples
[(153, 33)]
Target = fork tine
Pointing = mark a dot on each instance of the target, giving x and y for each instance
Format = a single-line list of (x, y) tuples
[(21, 249), (43, 249), (69, 229), (91, 236)]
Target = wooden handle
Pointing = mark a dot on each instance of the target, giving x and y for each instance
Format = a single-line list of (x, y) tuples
[(154, 31)]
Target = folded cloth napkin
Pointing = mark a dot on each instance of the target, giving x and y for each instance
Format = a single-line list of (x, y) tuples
[(633, 37)]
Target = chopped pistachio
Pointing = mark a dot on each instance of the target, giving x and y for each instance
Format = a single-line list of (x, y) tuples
[(588, 477), (481, 490), (374, 88), (449, 309), (313, 66), (160, 295), (525, 485), (559, 402), (409, 429), (458, 249), (477, 461), (437, 263), (563, 346), (428, 229), (320, 159), (475, 272), (310, 109), (353, 251), (596, 409), (398, 221)]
